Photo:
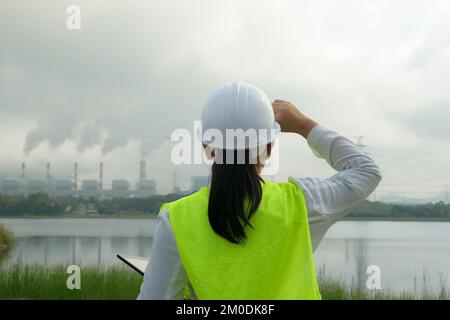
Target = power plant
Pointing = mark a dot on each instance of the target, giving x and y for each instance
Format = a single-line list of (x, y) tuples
[(145, 187), (70, 187), (198, 182)]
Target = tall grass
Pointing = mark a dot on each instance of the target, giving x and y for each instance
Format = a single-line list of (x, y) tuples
[(6, 238), (333, 289), (117, 282), (44, 283)]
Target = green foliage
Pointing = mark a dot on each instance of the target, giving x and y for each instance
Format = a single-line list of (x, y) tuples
[(37, 204), (40, 282), (332, 289), (130, 206), (117, 282), (41, 204), (6, 239), (380, 210)]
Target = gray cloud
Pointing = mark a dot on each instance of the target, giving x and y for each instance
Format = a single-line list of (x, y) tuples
[(90, 137), (34, 138), (434, 38), (134, 72), (431, 121), (49, 73)]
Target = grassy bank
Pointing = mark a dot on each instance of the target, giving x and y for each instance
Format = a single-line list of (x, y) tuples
[(39, 282), (47, 283), (6, 239), (332, 289)]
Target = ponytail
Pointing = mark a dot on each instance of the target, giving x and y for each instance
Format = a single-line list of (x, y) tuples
[(231, 185)]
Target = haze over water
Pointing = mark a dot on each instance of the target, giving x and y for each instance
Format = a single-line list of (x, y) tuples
[(411, 255)]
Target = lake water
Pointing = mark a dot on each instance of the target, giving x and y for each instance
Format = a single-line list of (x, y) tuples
[(411, 255)]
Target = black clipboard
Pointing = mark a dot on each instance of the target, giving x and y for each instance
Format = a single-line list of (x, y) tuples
[(138, 264)]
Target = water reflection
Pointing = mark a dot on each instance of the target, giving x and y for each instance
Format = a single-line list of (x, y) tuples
[(360, 256), (410, 255), (77, 250), (405, 264)]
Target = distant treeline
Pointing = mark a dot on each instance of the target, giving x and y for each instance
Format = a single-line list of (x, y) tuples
[(41, 204), (384, 211)]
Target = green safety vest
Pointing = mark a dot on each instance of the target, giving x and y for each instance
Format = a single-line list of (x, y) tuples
[(274, 262)]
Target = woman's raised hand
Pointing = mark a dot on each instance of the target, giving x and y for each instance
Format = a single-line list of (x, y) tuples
[(291, 119)]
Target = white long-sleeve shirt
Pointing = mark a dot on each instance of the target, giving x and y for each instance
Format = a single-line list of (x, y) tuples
[(327, 200)]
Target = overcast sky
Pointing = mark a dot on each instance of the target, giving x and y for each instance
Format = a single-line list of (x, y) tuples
[(114, 90)]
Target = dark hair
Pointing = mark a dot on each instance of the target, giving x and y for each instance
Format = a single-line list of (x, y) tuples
[(231, 185)]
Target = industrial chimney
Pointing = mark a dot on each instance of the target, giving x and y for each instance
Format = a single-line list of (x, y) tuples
[(142, 174), (23, 179), (101, 176), (75, 175), (49, 178), (23, 171)]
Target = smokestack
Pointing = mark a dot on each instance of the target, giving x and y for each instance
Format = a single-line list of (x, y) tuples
[(142, 174), (101, 176), (23, 171), (49, 178), (75, 175)]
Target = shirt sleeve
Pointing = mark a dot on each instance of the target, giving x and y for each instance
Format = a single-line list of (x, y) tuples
[(329, 200), (164, 277)]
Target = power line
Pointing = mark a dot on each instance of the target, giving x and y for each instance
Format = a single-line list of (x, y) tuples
[(409, 191), (381, 151), (416, 181)]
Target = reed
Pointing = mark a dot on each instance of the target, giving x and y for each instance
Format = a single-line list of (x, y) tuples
[(6, 239), (119, 282)]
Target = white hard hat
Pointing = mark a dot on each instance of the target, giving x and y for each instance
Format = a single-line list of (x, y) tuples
[(242, 108)]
